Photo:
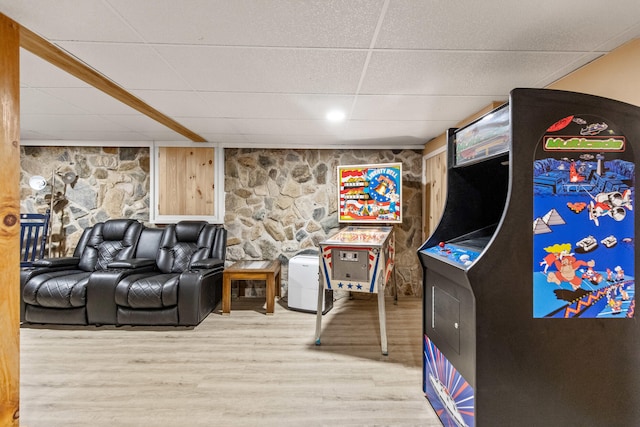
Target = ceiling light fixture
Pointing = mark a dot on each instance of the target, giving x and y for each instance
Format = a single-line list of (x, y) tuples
[(336, 116)]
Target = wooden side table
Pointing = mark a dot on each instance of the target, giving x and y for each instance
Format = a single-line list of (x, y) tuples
[(269, 271)]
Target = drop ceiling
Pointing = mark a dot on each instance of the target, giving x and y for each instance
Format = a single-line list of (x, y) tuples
[(264, 73)]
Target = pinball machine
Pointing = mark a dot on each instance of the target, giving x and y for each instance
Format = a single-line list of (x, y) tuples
[(361, 258)]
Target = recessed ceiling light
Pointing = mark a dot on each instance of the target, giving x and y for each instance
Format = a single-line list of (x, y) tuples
[(336, 116)]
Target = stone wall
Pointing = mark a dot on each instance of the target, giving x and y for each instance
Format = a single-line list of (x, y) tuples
[(111, 182), (280, 203)]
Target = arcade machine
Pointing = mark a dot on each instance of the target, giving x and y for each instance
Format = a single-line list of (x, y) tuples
[(529, 289), (360, 258)]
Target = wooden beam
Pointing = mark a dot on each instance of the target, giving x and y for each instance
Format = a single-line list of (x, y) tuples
[(61, 59), (9, 222)]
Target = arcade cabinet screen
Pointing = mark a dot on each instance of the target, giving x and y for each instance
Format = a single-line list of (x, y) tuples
[(485, 138), (476, 240)]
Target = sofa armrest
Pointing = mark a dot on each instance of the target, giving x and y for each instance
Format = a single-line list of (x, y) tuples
[(57, 262), (207, 263), (132, 263), (197, 294), (101, 289)]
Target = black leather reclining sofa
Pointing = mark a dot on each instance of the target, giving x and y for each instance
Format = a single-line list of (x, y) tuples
[(123, 273)]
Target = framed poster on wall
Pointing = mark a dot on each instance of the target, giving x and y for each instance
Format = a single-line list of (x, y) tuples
[(370, 193)]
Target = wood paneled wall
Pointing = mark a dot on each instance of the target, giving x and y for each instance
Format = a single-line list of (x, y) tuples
[(614, 75), (186, 185), (435, 190), (9, 222)]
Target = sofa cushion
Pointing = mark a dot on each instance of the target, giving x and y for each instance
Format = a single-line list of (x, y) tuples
[(62, 289), (149, 243), (156, 291), (182, 253), (188, 231)]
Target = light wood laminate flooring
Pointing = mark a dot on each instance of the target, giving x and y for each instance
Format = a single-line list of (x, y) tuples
[(246, 369)]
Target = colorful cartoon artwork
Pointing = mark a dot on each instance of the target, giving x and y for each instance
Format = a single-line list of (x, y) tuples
[(583, 221), (370, 193), (450, 394)]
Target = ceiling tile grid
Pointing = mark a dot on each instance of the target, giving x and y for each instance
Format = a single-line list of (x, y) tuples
[(267, 71)]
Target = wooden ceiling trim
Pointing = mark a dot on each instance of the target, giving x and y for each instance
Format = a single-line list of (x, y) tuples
[(61, 59)]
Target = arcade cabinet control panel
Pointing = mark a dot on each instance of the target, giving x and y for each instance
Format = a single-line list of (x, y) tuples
[(454, 254)]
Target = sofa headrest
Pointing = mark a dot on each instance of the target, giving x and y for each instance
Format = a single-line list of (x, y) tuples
[(189, 231), (115, 229), (112, 240)]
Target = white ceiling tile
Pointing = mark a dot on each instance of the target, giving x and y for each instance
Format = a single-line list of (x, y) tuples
[(289, 127), (224, 138), (384, 142), (62, 123), (418, 107), (69, 19), (460, 73), (295, 23), (82, 135), (266, 70), (36, 72), (37, 101), (139, 123), (161, 135), (388, 128), (202, 125), (294, 141), (175, 102), (98, 135), (327, 141), (273, 105), (28, 134), (567, 25), (133, 66), (90, 100)]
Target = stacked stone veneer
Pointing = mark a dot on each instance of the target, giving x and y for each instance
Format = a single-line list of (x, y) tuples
[(280, 203), (112, 183)]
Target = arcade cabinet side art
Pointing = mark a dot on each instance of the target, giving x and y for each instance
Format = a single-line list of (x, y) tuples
[(450, 395), (583, 227)]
